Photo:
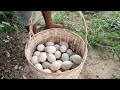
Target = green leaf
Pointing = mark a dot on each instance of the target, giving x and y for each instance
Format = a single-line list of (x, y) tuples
[(15, 28), (119, 56), (6, 23), (113, 53), (2, 26)]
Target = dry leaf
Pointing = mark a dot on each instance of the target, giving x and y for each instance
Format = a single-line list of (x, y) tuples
[(16, 67), (20, 67), (8, 54), (6, 41), (24, 77), (8, 37)]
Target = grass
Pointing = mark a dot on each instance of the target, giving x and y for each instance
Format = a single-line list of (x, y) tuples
[(2, 77), (59, 17), (116, 75), (7, 27), (105, 32), (69, 19)]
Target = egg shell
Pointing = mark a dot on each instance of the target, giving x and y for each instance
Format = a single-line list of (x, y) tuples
[(64, 43), (49, 43), (55, 66), (47, 71), (36, 53), (59, 71), (34, 60), (63, 48), (50, 49), (65, 57), (51, 58), (66, 65), (38, 66), (60, 61), (69, 52), (57, 46), (40, 47), (42, 57), (46, 65), (57, 54), (76, 59)]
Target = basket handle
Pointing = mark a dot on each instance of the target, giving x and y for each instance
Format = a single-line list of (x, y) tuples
[(31, 26), (30, 30), (85, 28)]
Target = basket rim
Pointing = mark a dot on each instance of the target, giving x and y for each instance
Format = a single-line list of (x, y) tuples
[(42, 31)]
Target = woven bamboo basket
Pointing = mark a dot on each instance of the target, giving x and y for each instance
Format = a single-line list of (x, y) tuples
[(76, 43)]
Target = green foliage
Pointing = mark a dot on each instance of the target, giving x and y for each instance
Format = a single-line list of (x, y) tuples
[(2, 77), (7, 28), (6, 16), (105, 32), (59, 18), (116, 75), (6, 24)]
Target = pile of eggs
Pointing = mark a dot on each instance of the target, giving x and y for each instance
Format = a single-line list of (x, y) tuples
[(55, 58)]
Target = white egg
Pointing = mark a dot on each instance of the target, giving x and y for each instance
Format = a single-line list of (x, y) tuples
[(42, 57), (55, 66), (65, 57), (50, 49), (40, 47), (64, 43), (72, 57), (60, 61), (63, 48), (46, 65), (47, 71), (51, 58), (49, 43), (57, 46), (69, 52), (59, 71), (38, 66), (66, 65), (76, 59), (57, 54), (34, 60), (36, 53)]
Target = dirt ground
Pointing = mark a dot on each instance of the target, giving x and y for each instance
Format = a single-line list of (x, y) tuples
[(13, 64), (99, 65)]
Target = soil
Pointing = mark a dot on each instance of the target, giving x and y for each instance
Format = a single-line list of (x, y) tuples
[(100, 65), (13, 64)]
